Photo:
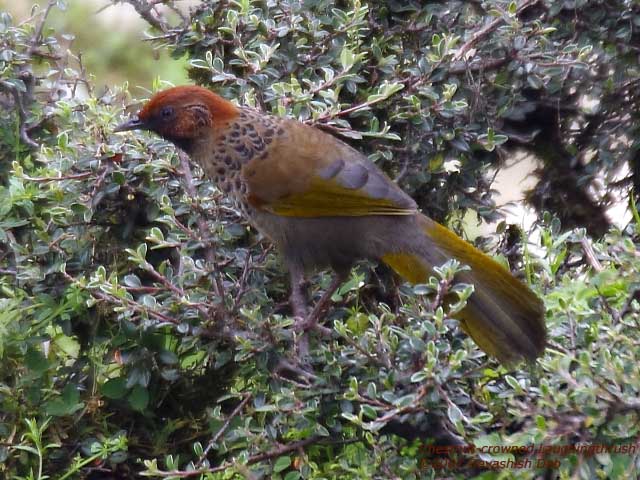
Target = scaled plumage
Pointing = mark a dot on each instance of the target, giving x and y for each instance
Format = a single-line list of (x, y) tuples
[(323, 203)]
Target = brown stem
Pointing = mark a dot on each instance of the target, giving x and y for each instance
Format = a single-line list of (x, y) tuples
[(485, 31), (210, 252), (277, 452), (147, 10), (223, 428)]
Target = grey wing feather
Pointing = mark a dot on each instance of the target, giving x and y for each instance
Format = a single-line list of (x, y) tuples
[(362, 174)]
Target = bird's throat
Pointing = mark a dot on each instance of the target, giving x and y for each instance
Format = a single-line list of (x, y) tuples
[(185, 144), (245, 139)]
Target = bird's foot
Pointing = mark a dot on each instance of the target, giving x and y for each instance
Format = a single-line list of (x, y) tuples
[(295, 371), (311, 322), (303, 325)]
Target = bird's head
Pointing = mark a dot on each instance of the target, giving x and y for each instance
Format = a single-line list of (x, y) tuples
[(182, 115)]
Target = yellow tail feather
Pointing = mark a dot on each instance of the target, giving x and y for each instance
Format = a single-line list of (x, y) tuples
[(503, 316)]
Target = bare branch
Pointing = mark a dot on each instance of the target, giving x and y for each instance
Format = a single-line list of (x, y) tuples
[(37, 35), (22, 112), (590, 255), (223, 428), (485, 31), (277, 452), (148, 11), (210, 251)]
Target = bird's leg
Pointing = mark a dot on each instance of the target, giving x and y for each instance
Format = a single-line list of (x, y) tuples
[(311, 321), (305, 322), (298, 302), (297, 299)]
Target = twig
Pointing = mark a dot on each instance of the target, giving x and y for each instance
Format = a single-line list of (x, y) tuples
[(164, 36), (81, 78), (422, 392), (37, 35), (626, 308), (483, 66), (250, 461), (210, 253), (202, 307), (374, 360), (78, 176), (590, 255), (147, 10), (243, 281), (22, 113), (286, 365), (615, 314), (485, 31), (24, 98), (443, 289), (223, 428), (347, 111)]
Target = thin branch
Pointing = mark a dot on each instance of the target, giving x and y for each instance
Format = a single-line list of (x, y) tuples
[(210, 252), (590, 255), (22, 112), (277, 452), (202, 307), (374, 360), (78, 176), (482, 66), (485, 31), (147, 10), (224, 333), (422, 392), (223, 428), (37, 35), (22, 99), (346, 111)]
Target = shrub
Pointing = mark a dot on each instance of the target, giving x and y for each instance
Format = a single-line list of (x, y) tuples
[(144, 328)]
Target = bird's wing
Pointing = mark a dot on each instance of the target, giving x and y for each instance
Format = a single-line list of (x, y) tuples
[(308, 173)]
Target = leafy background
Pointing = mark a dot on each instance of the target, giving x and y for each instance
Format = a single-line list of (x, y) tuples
[(144, 328)]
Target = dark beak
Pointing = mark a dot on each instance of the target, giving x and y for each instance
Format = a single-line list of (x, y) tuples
[(134, 124)]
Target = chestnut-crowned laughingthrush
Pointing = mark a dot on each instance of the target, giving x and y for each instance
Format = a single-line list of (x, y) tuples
[(324, 204)]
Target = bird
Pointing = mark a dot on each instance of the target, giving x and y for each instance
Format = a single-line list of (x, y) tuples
[(324, 204)]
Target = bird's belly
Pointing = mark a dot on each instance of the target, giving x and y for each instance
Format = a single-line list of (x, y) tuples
[(335, 242)]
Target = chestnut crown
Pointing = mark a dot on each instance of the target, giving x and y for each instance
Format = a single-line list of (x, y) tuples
[(182, 114)]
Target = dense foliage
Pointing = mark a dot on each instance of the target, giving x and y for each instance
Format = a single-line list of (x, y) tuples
[(144, 328)]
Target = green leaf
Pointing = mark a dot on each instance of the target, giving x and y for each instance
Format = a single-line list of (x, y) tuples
[(369, 412), (114, 388), (282, 463), (419, 376), (139, 398), (67, 404), (513, 383), (454, 413), (198, 449), (132, 280), (483, 417), (156, 235), (168, 357), (36, 361)]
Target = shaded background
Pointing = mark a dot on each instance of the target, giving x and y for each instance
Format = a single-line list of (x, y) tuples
[(108, 37), (111, 42)]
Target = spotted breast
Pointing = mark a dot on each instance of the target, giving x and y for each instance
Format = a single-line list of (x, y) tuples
[(246, 138)]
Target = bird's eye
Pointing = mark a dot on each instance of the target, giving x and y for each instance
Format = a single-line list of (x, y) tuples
[(166, 112)]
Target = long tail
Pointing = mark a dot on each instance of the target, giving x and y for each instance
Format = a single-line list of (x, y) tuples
[(503, 316)]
